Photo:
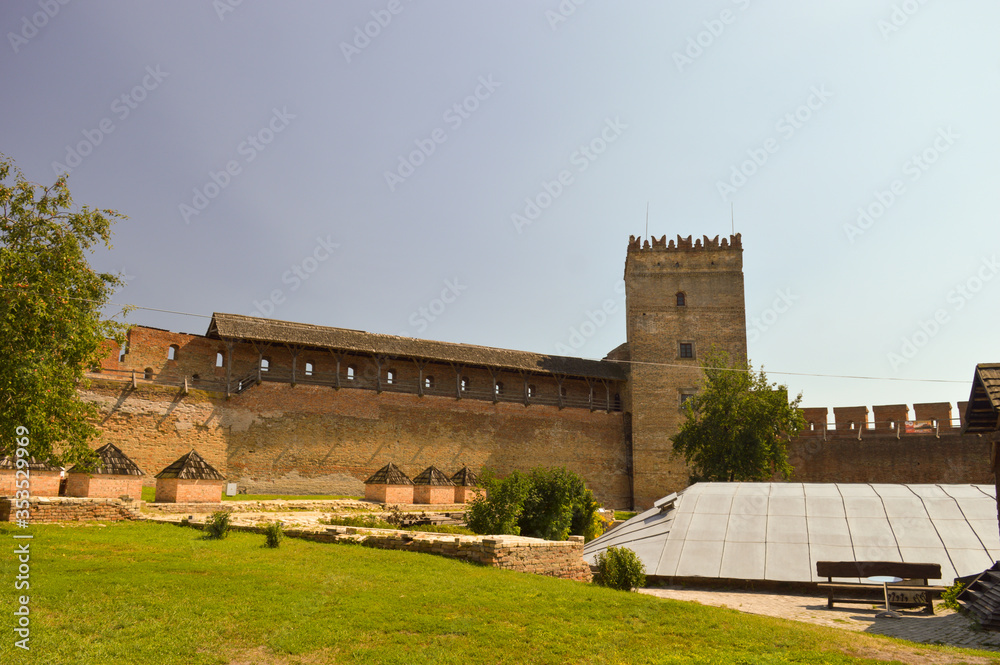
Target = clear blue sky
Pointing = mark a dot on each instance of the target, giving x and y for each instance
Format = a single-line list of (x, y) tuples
[(361, 161)]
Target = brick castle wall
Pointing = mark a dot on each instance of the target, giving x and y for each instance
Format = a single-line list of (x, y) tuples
[(276, 438)]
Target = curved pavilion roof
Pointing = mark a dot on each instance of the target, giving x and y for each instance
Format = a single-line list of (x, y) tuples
[(778, 531)]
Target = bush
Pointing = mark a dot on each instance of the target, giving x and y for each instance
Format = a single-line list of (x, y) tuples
[(497, 511), (544, 503), (218, 525), (273, 533), (949, 596), (620, 568)]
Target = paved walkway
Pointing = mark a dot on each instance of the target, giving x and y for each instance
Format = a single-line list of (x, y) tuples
[(943, 627)]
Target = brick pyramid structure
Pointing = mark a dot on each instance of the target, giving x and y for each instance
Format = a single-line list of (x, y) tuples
[(466, 483), (189, 479), (433, 486), (389, 485), (115, 475)]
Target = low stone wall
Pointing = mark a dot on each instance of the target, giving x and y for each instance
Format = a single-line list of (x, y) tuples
[(71, 509)]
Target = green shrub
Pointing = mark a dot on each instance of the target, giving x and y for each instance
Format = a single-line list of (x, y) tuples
[(620, 568), (218, 525), (273, 533), (543, 503), (949, 596), (497, 510)]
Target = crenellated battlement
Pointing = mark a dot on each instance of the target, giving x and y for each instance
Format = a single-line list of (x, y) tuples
[(894, 419), (685, 244)]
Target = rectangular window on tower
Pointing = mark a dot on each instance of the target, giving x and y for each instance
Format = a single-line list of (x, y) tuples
[(686, 350)]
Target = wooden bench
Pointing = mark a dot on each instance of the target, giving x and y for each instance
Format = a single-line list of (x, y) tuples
[(913, 591)]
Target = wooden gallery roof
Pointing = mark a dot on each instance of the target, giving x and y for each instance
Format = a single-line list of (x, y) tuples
[(983, 411), (236, 327)]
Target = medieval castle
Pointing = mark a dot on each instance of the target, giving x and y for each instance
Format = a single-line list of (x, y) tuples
[(283, 407)]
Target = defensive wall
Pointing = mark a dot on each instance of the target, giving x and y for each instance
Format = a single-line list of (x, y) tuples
[(313, 437), (275, 437), (890, 444)]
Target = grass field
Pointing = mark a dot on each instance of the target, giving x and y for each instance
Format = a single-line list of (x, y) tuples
[(156, 593)]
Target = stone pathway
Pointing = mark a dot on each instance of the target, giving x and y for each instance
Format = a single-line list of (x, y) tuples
[(943, 627)]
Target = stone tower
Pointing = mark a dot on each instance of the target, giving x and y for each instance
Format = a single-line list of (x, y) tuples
[(681, 299)]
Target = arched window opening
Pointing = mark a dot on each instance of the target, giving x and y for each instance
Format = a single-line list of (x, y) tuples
[(172, 352), (562, 391), (681, 299), (390, 376), (618, 402), (465, 383), (309, 369), (892, 424), (220, 359), (148, 373), (351, 372), (531, 390), (428, 382), (265, 364), (196, 378), (499, 390)]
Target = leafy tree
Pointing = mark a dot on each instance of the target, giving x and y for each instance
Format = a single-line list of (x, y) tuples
[(543, 503), (736, 428), (50, 315)]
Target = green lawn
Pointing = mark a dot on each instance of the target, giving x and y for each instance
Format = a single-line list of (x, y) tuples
[(149, 494), (156, 593)]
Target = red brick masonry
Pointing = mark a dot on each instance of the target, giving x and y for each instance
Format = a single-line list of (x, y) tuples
[(42, 483), (103, 485), (72, 509)]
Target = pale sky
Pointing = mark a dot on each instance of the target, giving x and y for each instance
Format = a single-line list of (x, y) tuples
[(471, 172)]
